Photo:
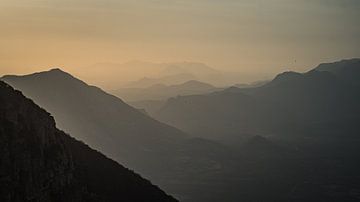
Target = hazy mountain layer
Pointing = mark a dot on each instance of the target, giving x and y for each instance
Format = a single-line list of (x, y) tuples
[(291, 103), (163, 92), (138, 74)]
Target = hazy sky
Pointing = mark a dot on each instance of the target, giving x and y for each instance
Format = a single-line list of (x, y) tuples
[(242, 35)]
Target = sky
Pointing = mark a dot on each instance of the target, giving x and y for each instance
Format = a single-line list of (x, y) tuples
[(249, 36)]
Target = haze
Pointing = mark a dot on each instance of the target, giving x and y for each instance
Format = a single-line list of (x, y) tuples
[(256, 38)]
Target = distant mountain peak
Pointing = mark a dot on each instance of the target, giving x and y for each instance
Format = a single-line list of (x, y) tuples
[(57, 76), (287, 76), (55, 70)]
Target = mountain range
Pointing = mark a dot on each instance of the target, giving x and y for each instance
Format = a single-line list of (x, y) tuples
[(139, 74), (294, 138), (323, 100), (123, 133)]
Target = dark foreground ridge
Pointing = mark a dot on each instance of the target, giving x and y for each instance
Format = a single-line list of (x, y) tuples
[(38, 162)]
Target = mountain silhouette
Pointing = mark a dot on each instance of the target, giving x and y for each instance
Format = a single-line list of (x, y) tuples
[(293, 102), (41, 163)]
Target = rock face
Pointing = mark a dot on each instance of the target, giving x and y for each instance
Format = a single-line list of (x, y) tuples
[(35, 164), (39, 163)]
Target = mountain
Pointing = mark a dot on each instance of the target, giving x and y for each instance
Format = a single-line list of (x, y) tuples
[(41, 163), (101, 120), (313, 102), (163, 92), (126, 134)]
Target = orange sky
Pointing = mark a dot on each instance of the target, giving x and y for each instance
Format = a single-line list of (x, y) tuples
[(249, 36)]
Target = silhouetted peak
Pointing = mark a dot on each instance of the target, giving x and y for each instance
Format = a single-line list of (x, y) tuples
[(55, 75), (55, 71)]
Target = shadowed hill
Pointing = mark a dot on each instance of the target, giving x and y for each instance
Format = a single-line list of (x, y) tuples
[(41, 163)]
